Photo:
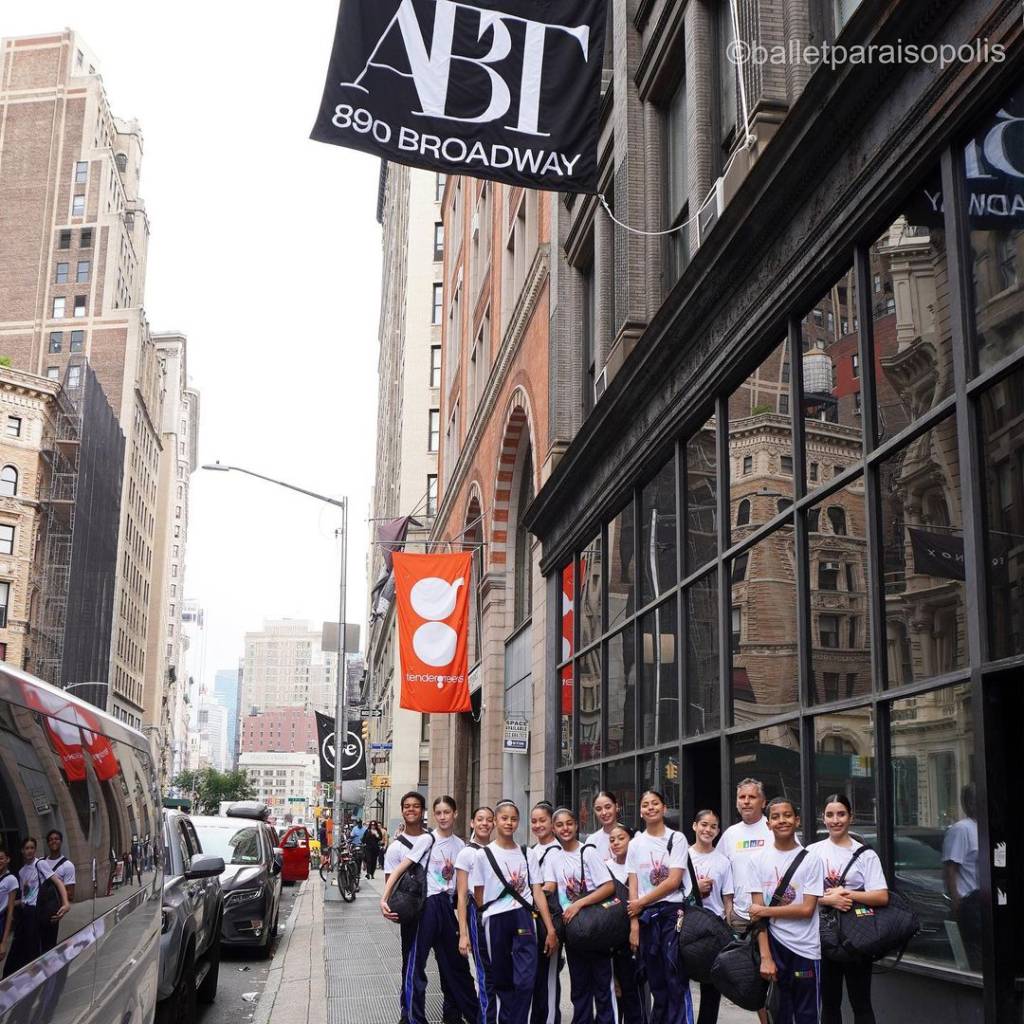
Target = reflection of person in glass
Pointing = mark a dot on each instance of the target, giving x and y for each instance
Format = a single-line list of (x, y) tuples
[(44, 900), (64, 870), (8, 898), (960, 865)]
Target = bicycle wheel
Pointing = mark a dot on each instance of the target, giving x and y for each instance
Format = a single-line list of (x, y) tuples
[(346, 884)]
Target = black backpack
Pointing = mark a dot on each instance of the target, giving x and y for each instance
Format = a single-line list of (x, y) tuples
[(737, 969), (48, 900), (554, 905), (867, 933), (410, 891), (702, 937), (599, 927)]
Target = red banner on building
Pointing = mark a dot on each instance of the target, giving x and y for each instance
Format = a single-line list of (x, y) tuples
[(432, 601)]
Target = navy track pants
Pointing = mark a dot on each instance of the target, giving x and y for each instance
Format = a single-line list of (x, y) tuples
[(659, 946), (511, 940)]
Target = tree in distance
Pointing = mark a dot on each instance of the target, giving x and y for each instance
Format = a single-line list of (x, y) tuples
[(210, 787)]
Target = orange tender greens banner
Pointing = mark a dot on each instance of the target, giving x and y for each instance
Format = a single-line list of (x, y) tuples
[(432, 599)]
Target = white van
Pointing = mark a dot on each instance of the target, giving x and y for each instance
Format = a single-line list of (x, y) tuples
[(83, 786)]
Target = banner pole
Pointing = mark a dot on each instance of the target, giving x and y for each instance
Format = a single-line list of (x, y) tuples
[(341, 698)]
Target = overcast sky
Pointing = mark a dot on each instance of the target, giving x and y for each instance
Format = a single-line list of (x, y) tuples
[(265, 252)]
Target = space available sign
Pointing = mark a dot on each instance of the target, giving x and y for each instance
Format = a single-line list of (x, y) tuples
[(502, 89), (432, 605), (353, 767)]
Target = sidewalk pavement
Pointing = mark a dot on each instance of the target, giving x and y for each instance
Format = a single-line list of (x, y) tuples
[(339, 963)]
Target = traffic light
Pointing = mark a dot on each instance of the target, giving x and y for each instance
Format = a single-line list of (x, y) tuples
[(671, 769), (365, 727)]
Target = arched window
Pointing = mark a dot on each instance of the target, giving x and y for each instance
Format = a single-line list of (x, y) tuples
[(122, 162), (837, 517), (813, 517), (523, 584), (8, 482), (743, 513)]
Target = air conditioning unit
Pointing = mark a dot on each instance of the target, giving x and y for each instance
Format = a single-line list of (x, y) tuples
[(831, 566), (710, 210)]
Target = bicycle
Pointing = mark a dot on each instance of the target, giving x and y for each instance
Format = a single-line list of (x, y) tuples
[(328, 861), (348, 872)]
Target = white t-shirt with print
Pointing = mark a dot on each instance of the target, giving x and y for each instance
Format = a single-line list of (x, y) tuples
[(540, 854), (960, 846), (765, 870), (649, 859), (866, 874), (66, 872), (718, 868), (30, 877), (467, 857), (397, 851), (8, 884), (739, 842), (440, 864), (577, 873), (513, 866), (599, 840)]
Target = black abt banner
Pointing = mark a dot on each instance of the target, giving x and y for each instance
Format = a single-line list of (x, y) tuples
[(353, 753), (502, 89)]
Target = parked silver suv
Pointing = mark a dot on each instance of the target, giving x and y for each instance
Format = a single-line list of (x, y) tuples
[(193, 906)]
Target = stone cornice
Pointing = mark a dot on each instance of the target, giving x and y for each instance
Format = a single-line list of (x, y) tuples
[(525, 307)]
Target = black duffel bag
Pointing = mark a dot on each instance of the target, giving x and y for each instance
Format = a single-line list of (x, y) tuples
[(702, 937), (737, 969), (597, 927), (410, 891), (866, 933)]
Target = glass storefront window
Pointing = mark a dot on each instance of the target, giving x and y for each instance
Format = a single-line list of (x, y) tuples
[(702, 667), (588, 785), (761, 434), (840, 630), (911, 314), (936, 833), (922, 557), (844, 762), (701, 498), (621, 692), (660, 771), (658, 534), (1001, 430), (994, 163), (589, 599), (659, 688), (588, 738), (621, 567), (771, 755), (620, 779), (832, 381), (764, 640), (565, 672)]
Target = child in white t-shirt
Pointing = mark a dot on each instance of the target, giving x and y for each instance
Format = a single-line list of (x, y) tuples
[(790, 946)]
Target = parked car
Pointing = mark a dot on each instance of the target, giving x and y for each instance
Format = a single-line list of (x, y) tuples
[(193, 904), (295, 845), (67, 767), (251, 879)]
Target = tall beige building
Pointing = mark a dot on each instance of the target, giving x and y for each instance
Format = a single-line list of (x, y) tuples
[(73, 242), (408, 439), (286, 666)]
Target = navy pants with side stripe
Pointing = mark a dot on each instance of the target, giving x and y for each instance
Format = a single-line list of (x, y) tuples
[(482, 966), (438, 931), (511, 940), (799, 985), (546, 1007), (629, 975), (659, 946), (592, 989)]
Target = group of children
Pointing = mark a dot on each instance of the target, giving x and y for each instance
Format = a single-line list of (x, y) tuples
[(491, 901)]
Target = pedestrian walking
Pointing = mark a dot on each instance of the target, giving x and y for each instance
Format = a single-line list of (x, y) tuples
[(656, 863), (581, 878), (628, 973), (436, 928), (372, 840), (470, 926)]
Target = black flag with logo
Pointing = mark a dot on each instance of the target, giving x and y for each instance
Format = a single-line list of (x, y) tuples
[(353, 753), (502, 89)]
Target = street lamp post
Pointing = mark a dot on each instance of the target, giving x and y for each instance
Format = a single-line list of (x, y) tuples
[(341, 697)]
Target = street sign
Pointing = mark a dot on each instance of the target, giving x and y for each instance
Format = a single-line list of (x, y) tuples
[(380, 781), (380, 746)]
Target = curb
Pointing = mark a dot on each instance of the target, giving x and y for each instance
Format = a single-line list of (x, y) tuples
[(268, 996)]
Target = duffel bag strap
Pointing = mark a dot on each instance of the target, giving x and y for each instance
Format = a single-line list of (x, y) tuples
[(696, 896), (786, 879), (506, 888), (849, 864)]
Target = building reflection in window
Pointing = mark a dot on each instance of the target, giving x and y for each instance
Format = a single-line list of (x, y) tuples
[(661, 772), (658, 534), (701, 498), (1002, 437), (589, 738), (659, 692), (840, 635), (764, 642), (844, 762), (702, 669), (620, 780), (588, 784), (621, 692), (589, 603), (936, 834), (621, 567), (772, 755), (923, 557)]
